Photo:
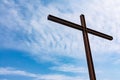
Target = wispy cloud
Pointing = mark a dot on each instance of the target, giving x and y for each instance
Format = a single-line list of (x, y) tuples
[(12, 71), (70, 69)]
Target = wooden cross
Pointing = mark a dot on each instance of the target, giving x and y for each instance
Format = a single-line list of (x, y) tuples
[(85, 30)]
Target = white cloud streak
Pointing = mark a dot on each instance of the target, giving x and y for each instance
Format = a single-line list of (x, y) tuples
[(70, 69), (12, 71)]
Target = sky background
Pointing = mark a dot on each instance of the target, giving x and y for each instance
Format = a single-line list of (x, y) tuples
[(34, 48)]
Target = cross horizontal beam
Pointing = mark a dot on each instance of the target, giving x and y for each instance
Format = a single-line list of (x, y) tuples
[(79, 27)]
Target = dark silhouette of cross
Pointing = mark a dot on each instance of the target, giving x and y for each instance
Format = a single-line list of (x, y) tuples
[(85, 31)]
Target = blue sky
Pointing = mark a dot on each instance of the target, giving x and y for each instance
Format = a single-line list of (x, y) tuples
[(33, 48)]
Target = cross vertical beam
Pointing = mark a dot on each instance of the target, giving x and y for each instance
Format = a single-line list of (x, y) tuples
[(87, 49)]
